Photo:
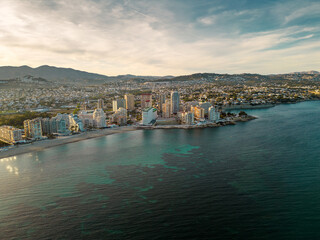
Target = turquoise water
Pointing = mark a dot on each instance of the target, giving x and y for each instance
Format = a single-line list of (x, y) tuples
[(254, 180)]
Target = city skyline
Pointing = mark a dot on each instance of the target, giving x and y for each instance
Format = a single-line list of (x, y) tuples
[(162, 38)]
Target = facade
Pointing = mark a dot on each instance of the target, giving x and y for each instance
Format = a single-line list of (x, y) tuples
[(61, 126), (46, 126), (64, 117), (75, 124), (118, 103), (149, 115), (99, 118), (87, 119), (217, 116), (53, 125), (120, 117), (10, 134), (167, 109), (162, 101), (212, 114), (175, 102), (198, 112), (205, 106), (129, 102), (146, 100), (32, 128), (100, 104), (189, 118)]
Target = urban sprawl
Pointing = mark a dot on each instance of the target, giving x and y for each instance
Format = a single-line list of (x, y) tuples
[(164, 103)]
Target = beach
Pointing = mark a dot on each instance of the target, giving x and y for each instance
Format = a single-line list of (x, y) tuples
[(48, 143)]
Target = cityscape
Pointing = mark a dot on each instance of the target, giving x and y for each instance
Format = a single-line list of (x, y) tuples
[(159, 120), (143, 103)]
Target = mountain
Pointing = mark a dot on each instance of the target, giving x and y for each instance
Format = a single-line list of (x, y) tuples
[(50, 73), (307, 72), (62, 75)]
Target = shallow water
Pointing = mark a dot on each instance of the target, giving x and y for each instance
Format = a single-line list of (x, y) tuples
[(254, 180)]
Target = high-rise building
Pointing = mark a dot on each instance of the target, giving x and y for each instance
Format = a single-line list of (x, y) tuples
[(99, 118), (129, 102), (149, 115), (212, 114), (100, 104), (32, 128), (10, 134), (118, 103), (217, 116), (120, 116), (198, 112), (75, 124), (189, 118), (175, 102), (46, 126), (65, 117), (167, 109), (162, 101), (61, 126), (146, 100), (205, 106)]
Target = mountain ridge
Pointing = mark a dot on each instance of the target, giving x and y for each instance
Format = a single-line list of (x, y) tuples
[(59, 74)]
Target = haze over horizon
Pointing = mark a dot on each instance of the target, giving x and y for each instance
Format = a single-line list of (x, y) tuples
[(162, 37)]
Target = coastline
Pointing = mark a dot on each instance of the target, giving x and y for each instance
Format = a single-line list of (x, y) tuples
[(44, 144), (247, 106), (233, 121)]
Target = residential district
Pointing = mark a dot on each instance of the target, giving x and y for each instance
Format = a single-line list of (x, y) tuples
[(73, 108)]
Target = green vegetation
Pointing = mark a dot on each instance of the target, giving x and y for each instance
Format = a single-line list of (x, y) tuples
[(77, 109), (16, 120)]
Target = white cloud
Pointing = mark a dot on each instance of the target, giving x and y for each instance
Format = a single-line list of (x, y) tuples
[(112, 37)]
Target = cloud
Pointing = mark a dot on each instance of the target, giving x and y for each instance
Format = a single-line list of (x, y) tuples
[(155, 37)]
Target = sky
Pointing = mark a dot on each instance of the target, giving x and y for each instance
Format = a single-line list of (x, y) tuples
[(162, 37)]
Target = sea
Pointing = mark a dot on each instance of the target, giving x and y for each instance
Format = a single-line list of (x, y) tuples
[(254, 180)]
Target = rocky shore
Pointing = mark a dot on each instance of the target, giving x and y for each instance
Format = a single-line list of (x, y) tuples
[(231, 121)]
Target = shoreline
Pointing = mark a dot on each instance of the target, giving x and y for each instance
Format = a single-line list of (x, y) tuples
[(49, 143)]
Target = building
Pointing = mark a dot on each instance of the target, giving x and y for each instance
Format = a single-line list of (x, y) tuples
[(146, 100), (149, 115), (10, 134), (64, 117), (212, 114), (87, 118), (99, 118), (75, 124), (217, 116), (198, 112), (162, 101), (175, 102), (100, 104), (61, 126), (205, 106), (33, 129), (53, 125), (189, 118), (129, 102), (118, 103), (167, 109), (46, 126), (119, 117)]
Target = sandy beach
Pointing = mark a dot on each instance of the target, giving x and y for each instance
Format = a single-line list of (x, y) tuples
[(41, 145)]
